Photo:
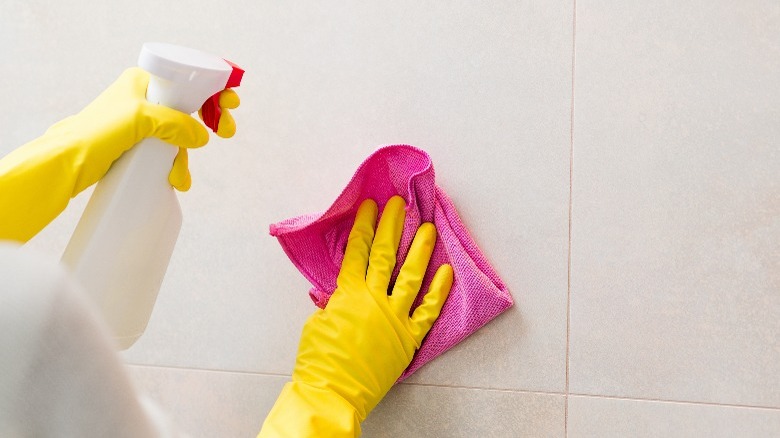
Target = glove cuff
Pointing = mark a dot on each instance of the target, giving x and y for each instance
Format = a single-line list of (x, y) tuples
[(303, 410)]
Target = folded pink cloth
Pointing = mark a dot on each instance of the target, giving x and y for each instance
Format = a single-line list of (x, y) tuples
[(316, 242)]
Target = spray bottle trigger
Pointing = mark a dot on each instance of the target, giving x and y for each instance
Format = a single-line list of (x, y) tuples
[(210, 111)]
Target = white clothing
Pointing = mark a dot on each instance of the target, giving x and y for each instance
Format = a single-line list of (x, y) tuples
[(59, 373)]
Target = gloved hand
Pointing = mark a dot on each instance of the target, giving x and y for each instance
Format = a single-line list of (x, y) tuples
[(38, 179), (180, 177), (352, 352), (121, 117)]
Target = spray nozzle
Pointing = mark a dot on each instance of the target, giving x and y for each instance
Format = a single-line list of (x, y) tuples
[(210, 111)]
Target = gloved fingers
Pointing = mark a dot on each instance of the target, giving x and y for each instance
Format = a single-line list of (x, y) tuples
[(180, 177), (425, 315), (174, 127), (228, 98), (383, 251), (227, 124), (355, 262), (407, 286)]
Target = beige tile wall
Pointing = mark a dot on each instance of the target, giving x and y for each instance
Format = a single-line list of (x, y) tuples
[(617, 161)]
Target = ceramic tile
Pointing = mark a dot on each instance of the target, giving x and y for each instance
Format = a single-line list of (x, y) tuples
[(589, 417), (417, 411), (210, 403), (485, 90), (676, 202)]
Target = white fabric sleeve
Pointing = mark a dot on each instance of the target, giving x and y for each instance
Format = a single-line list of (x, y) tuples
[(60, 373)]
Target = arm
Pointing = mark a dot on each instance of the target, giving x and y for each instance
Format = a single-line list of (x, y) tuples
[(352, 352), (60, 373)]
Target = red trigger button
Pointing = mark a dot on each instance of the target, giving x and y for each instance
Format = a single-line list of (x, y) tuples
[(210, 111)]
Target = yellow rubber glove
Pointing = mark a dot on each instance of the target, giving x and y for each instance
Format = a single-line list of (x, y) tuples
[(38, 179), (352, 352), (180, 177)]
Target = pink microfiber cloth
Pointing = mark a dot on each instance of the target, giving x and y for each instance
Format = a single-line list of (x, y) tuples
[(316, 242)]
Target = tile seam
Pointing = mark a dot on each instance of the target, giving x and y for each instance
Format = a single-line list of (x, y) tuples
[(680, 402), (571, 179), (211, 370), (478, 388)]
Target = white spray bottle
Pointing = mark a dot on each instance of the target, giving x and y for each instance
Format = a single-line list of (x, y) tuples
[(121, 247)]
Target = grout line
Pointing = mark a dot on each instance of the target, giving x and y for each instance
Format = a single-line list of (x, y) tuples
[(211, 370), (478, 388), (679, 402), (571, 174), (609, 397)]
